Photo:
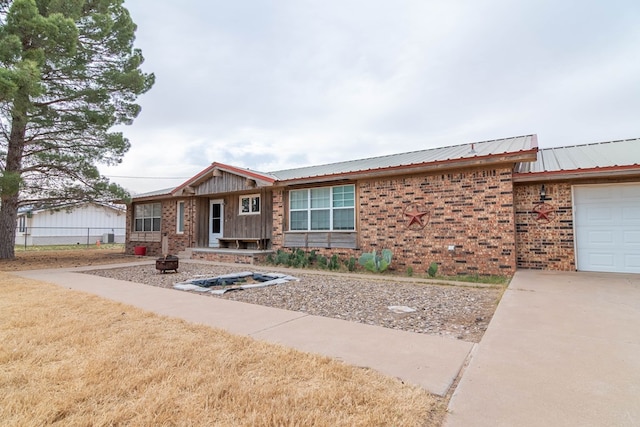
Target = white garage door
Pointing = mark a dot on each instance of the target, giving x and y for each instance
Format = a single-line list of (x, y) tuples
[(607, 227)]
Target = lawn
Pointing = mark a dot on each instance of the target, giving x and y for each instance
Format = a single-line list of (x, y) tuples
[(70, 358)]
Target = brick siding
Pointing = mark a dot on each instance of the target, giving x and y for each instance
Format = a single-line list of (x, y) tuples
[(168, 227), (540, 245), (279, 211), (469, 209), (489, 221)]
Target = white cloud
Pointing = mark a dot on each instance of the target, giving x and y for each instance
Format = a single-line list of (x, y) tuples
[(277, 85)]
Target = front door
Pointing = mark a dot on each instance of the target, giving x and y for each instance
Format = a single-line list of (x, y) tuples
[(216, 222)]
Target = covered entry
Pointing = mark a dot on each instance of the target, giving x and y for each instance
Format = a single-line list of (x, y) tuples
[(607, 227)]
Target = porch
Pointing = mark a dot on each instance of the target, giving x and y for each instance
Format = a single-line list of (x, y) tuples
[(228, 255)]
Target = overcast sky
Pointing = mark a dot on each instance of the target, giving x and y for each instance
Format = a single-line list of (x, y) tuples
[(271, 85)]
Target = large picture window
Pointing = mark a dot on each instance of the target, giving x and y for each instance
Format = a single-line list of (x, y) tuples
[(147, 217), (322, 209)]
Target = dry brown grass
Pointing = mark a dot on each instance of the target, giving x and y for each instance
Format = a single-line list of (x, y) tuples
[(47, 258), (68, 358)]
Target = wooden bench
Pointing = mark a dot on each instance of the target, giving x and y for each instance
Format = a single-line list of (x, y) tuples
[(241, 242)]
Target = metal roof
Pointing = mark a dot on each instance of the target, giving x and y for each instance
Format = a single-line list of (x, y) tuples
[(416, 158), (163, 192), (37, 209), (423, 159), (587, 157)]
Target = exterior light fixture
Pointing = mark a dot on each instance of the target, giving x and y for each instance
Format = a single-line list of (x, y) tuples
[(543, 193)]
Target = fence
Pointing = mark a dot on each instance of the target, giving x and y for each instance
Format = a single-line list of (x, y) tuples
[(46, 236)]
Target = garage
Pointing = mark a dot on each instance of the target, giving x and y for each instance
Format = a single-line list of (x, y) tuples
[(607, 227)]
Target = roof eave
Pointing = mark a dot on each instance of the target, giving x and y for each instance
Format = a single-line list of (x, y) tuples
[(245, 173), (606, 172), (152, 197), (183, 189)]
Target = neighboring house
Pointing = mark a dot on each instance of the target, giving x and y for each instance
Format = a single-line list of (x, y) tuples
[(84, 223), (483, 208)]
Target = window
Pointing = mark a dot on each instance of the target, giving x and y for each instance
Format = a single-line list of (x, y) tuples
[(22, 224), (180, 218), (147, 217), (249, 204), (322, 209)]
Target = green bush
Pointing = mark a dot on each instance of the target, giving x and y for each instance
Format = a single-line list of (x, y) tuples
[(433, 269), (333, 262), (298, 259), (282, 257), (409, 271), (323, 262), (351, 264), (374, 262)]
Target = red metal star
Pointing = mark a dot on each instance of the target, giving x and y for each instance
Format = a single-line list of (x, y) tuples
[(544, 212), (416, 216)]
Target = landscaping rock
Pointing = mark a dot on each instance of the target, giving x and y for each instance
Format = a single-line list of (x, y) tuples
[(454, 311)]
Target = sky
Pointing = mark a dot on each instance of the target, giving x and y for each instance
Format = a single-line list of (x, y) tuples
[(272, 85)]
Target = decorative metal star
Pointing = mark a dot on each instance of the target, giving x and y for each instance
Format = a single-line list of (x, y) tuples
[(545, 212), (415, 216)]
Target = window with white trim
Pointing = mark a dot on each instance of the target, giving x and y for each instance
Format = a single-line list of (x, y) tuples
[(322, 209), (249, 204), (180, 218), (22, 224), (147, 217)]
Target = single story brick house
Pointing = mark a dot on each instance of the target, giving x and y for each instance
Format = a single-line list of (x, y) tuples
[(483, 208)]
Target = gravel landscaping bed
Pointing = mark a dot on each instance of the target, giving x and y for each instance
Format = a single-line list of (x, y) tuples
[(462, 312)]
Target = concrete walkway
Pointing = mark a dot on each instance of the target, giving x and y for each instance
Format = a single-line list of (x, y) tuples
[(424, 360), (563, 349)]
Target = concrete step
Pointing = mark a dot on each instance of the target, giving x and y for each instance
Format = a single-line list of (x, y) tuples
[(186, 254)]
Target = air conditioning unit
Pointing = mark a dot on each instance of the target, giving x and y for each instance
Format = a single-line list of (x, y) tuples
[(108, 238)]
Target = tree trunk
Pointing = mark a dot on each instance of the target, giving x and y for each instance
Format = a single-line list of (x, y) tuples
[(8, 218), (13, 170)]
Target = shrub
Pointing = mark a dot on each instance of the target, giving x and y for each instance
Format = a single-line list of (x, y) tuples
[(333, 263), (351, 264), (409, 271), (433, 269), (298, 259), (282, 257), (322, 262), (374, 262)]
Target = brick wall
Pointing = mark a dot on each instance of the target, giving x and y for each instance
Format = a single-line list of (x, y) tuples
[(168, 227), (469, 209), (277, 236), (549, 246), (543, 244)]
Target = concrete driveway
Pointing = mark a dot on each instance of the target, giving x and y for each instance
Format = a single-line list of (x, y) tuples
[(563, 349)]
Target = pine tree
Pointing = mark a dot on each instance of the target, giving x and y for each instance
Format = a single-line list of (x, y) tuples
[(68, 74)]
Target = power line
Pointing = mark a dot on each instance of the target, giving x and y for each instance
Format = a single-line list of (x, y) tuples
[(147, 177)]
